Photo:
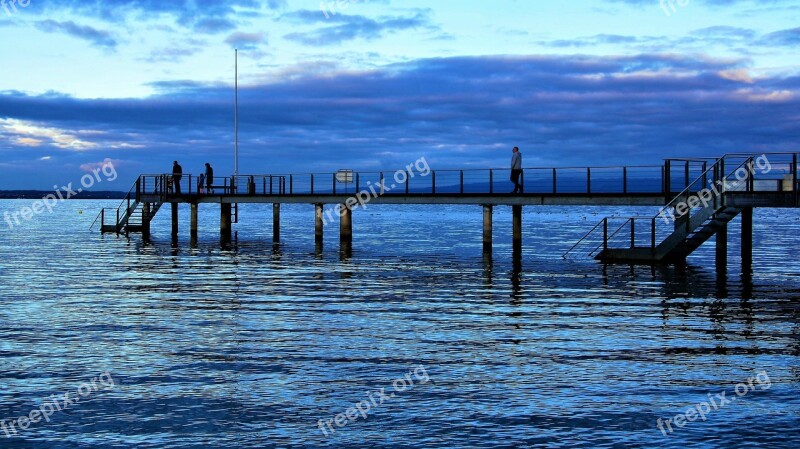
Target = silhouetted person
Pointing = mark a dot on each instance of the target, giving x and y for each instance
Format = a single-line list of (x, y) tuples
[(177, 174), (209, 178), (516, 170)]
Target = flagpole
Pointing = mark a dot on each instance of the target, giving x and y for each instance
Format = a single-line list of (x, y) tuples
[(236, 119)]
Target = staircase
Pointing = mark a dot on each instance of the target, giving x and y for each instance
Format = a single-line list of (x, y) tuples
[(130, 216), (690, 219)]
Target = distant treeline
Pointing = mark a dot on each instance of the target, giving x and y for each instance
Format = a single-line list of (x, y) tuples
[(38, 194)]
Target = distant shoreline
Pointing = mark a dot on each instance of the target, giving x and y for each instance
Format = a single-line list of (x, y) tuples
[(39, 194)]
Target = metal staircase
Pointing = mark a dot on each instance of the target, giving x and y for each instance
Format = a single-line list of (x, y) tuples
[(690, 219), (131, 215)]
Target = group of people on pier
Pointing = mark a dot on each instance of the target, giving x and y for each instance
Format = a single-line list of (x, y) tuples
[(205, 182)]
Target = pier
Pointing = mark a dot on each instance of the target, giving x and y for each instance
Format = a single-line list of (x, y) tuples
[(699, 197)]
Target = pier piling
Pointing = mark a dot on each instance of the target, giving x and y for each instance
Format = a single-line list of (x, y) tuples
[(517, 212), (193, 224), (747, 240), (225, 223), (318, 223), (722, 249), (487, 228), (346, 225), (276, 223), (146, 208), (174, 220)]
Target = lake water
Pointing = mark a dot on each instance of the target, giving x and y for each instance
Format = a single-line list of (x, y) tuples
[(258, 347)]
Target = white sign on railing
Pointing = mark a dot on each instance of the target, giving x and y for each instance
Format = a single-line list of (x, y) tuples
[(344, 176)]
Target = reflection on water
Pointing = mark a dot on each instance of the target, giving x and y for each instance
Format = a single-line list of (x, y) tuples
[(251, 345)]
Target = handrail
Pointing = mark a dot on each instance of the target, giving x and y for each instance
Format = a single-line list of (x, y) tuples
[(719, 176), (564, 256), (101, 214)]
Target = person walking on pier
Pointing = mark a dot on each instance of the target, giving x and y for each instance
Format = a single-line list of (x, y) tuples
[(209, 178), (516, 170), (177, 174)]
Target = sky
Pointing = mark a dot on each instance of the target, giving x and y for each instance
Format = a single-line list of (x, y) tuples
[(378, 84)]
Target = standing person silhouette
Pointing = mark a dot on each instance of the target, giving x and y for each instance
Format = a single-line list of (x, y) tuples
[(516, 170), (177, 174), (209, 178)]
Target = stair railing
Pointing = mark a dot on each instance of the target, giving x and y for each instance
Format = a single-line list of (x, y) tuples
[(705, 191)]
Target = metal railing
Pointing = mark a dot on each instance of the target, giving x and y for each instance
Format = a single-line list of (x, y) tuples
[(730, 174), (540, 181)]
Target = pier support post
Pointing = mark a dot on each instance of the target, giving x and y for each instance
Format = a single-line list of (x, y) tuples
[(174, 220), (722, 249), (517, 213), (276, 223), (487, 228), (146, 222), (193, 224), (747, 241), (346, 225), (225, 223), (318, 223)]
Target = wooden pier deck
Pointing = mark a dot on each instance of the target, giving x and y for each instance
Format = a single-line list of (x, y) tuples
[(699, 197)]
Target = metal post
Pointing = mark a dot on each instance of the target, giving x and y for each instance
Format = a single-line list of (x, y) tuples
[(276, 223), (491, 181), (666, 172), (588, 180), (517, 218), (174, 219), (751, 175), (382, 184), (686, 175), (291, 184), (433, 182), (624, 179), (408, 179), (225, 223), (312, 183), (747, 241), (605, 233), (192, 224), (722, 249), (794, 177), (334, 183), (554, 181), (633, 233), (462, 182), (653, 234)]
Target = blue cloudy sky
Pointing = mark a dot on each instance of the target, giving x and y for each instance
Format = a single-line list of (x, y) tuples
[(374, 84)]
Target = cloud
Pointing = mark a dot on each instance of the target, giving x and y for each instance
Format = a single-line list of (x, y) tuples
[(97, 37), (90, 167), (350, 27), (245, 41), (27, 134), (461, 112)]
